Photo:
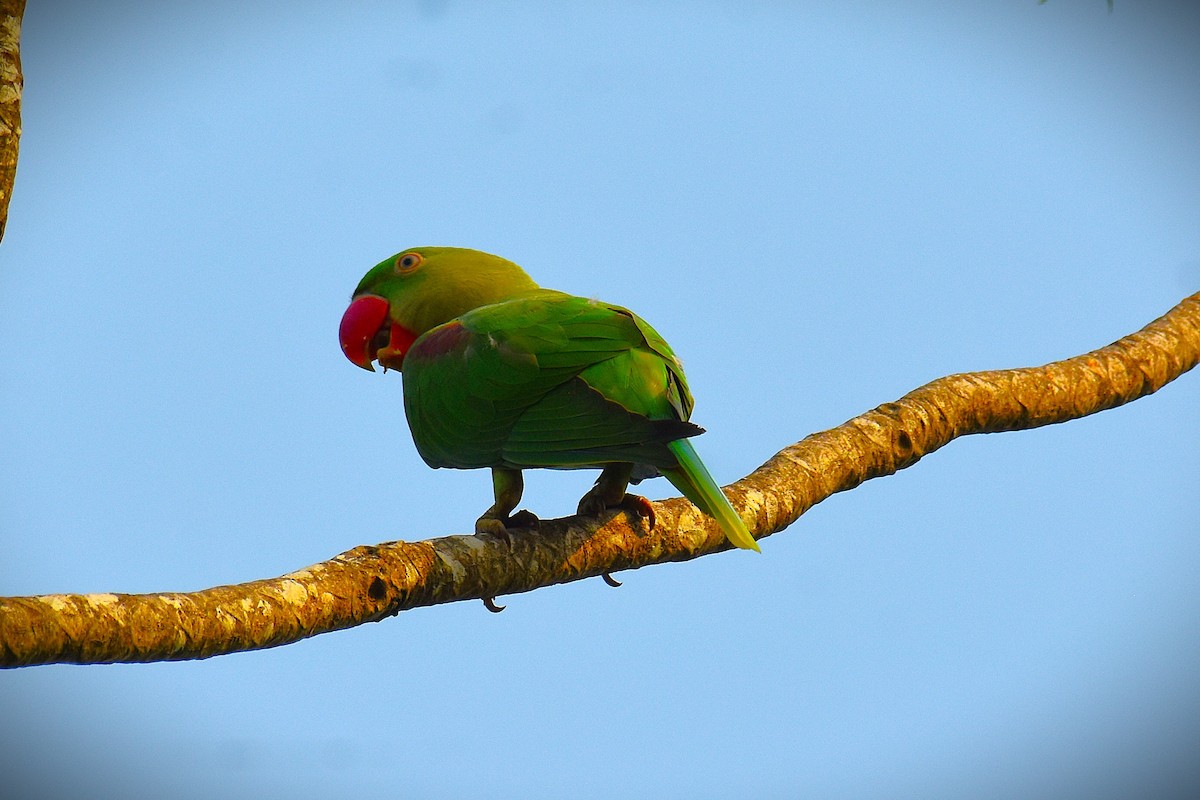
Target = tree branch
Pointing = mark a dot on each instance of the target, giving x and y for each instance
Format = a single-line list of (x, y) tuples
[(11, 83), (369, 583)]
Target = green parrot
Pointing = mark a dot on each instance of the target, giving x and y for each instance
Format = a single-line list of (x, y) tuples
[(501, 373)]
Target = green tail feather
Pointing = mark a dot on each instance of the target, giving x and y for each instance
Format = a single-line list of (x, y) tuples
[(691, 477)]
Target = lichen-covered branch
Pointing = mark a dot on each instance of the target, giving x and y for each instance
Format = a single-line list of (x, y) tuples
[(11, 83), (369, 583)]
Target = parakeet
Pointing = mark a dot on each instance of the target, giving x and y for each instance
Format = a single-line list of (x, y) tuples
[(501, 373)]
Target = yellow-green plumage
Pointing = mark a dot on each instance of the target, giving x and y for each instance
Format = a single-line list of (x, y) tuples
[(507, 375)]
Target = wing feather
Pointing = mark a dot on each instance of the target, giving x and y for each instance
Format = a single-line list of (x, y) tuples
[(545, 380)]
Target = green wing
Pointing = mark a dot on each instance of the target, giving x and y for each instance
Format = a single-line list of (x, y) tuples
[(545, 380)]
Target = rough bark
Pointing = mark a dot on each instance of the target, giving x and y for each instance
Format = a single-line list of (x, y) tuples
[(369, 583), (11, 83)]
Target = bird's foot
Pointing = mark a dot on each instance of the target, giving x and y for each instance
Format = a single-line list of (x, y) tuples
[(501, 527), (593, 503), (523, 519)]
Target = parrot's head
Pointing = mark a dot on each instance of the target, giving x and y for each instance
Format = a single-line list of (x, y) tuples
[(416, 290)]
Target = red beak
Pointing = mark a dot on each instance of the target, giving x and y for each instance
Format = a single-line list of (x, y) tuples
[(363, 320), (366, 334)]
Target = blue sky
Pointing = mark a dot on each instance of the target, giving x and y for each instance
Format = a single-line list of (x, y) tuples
[(821, 206)]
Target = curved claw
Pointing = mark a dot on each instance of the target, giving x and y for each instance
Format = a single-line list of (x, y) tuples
[(640, 506), (490, 603), (610, 580)]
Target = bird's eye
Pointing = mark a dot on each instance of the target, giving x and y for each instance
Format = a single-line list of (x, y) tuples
[(407, 262)]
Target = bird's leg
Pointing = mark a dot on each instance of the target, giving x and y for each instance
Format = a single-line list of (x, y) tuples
[(609, 492), (508, 486)]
